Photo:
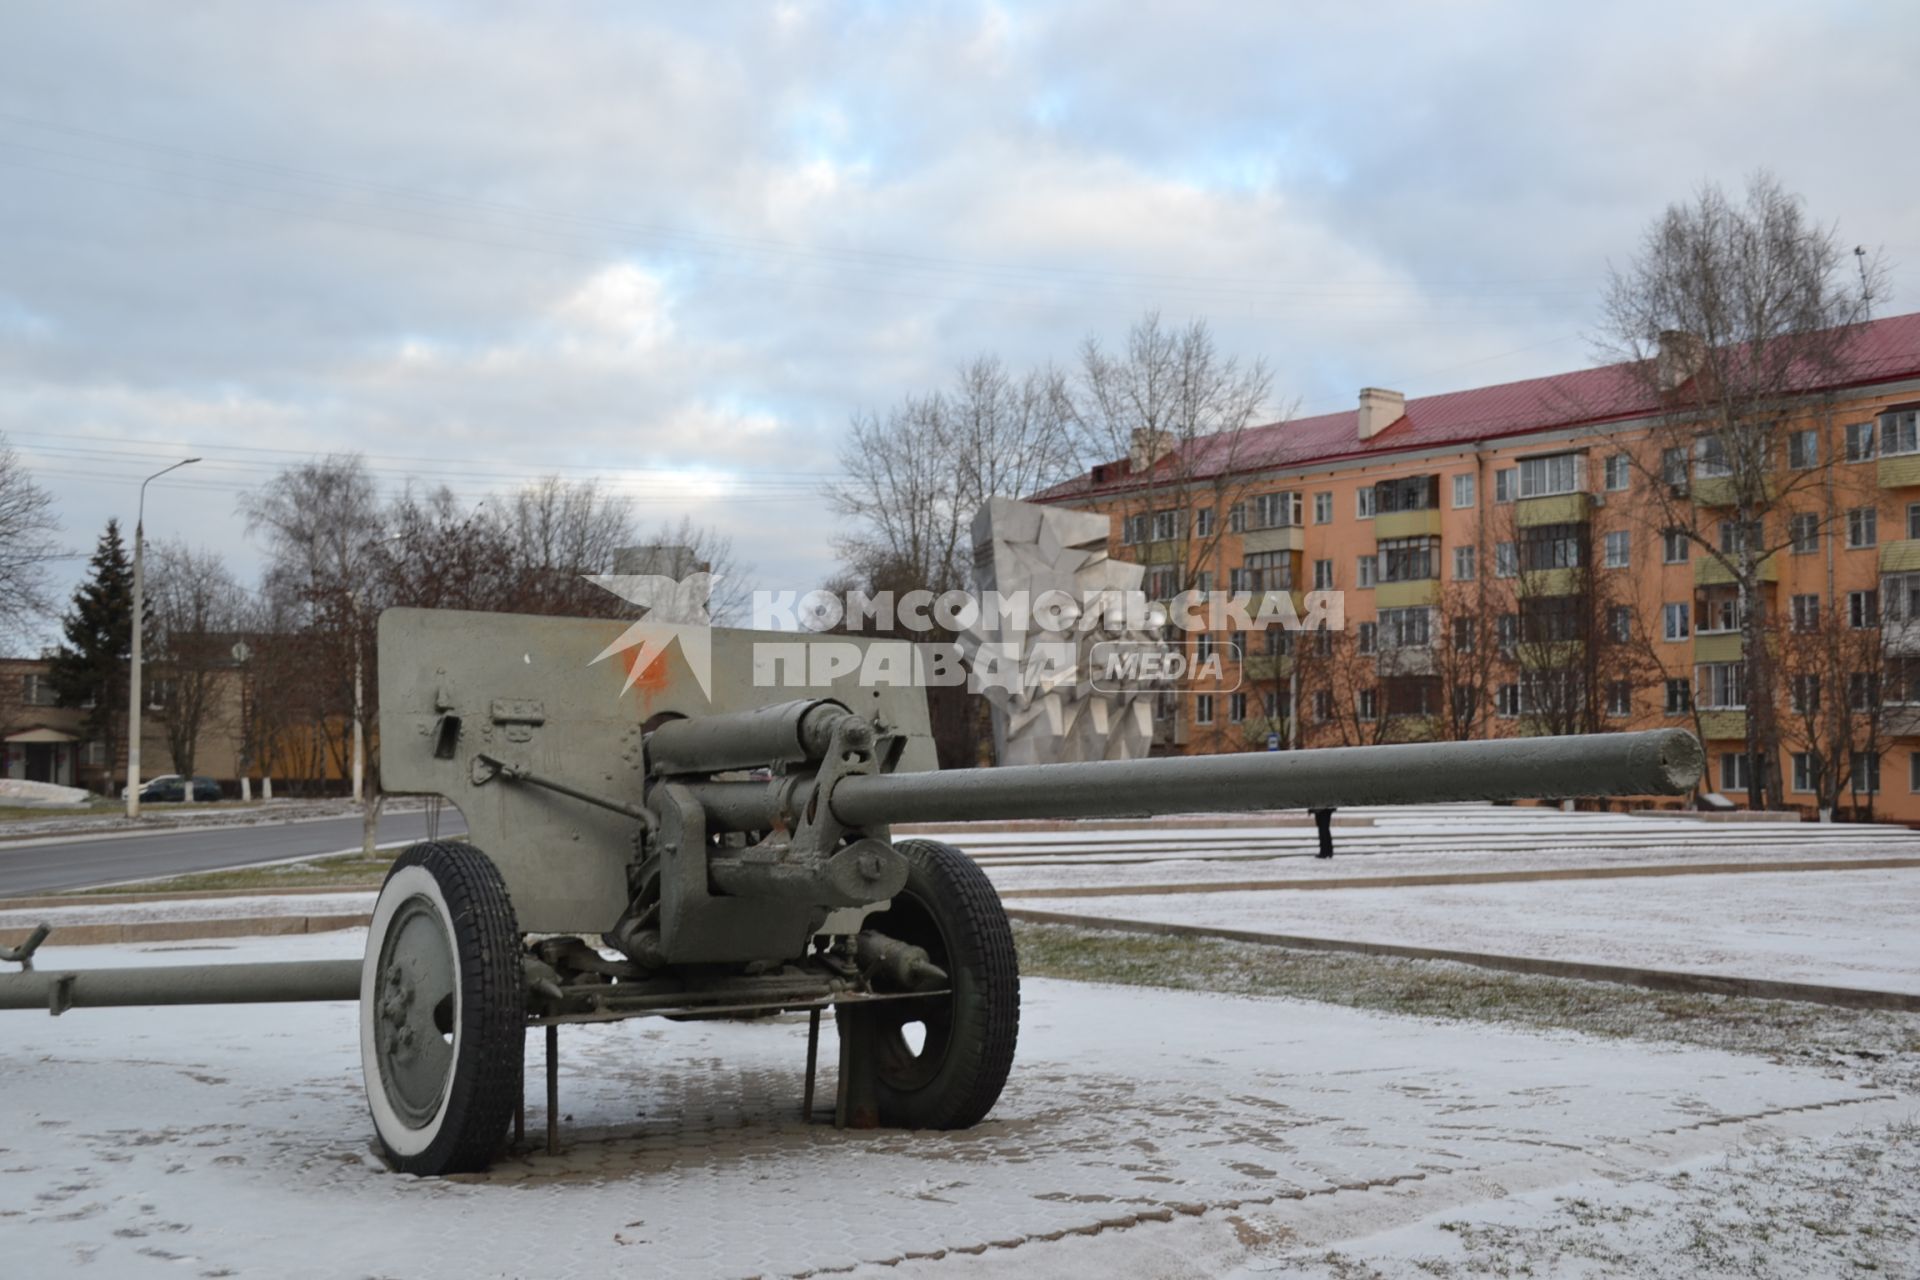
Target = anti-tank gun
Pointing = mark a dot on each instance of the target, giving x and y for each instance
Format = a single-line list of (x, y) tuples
[(646, 842)]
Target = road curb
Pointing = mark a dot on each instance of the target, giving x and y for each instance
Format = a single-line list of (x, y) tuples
[(1651, 979)]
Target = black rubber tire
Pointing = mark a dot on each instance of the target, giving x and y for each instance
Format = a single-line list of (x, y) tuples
[(950, 908), (491, 1009)]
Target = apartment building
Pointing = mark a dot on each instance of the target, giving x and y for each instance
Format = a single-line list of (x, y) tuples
[(1517, 559)]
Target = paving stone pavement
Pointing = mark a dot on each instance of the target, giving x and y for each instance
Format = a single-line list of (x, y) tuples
[(235, 1141)]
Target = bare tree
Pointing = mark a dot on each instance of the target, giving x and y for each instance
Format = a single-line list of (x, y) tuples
[(196, 606), (555, 533), (1840, 683), (27, 529), (1174, 414), (1465, 658), (1727, 314), (912, 478)]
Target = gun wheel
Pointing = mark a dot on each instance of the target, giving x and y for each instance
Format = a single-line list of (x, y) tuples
[(442, 1011), (941, 1063)]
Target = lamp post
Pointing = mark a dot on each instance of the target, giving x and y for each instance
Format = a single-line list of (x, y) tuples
[(139, 625)]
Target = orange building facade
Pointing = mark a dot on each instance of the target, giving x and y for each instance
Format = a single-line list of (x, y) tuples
[(1515, 559)]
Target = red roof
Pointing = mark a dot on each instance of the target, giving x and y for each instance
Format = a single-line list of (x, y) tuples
[(1883, 350)]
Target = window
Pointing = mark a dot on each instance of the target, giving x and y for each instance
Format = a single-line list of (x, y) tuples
[(1504, 483), (1733, 771), (1674, 621), (1367, 705), (1803, 450), (1506, 560), (1913, 771), (1900, 597), (1203, 581), (1466, 702), (1364, 570), (1806, 692), (1367, 637), (1405, 628), (1710, 458), (1900, 432), (1463, 564), (1323, 508), (1616, 472), (1737, 535), (1619, 698), (1409, 493), (1363, 502), (1133, 529), (1862, 527), (1463, 635), (1162, 582), (1163, 705), (1913, 519), (1271, 702), (1863, 609), (1863, 690), (1507, 701), (1804, 529), (36, 689), (1203, 523), (1323, 575), (1237, 518), (1859, 441), (1322, 705), (1679, 697), (1204, 646), (1506, 632), (1203, 709), (1806, 613), (1236, 707), (1722, 685), (1553, 546), (1620, 623), (1617, 549), (1166, 525), (1266, 571), (1409, 559), (1717, 611), (1413, 695), (1556, 473), (94, 753), (1673, 468), (1803, 771), (1553, 619), (1901, 687), (1675, 546), (1463, 489), (1866, 773), (1276, 510)]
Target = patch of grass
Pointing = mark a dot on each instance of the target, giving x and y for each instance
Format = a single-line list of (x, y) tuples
[(346, 871), (43, 813), (1882, 1046)]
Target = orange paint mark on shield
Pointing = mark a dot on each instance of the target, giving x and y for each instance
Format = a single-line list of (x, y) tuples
[(652, 680)]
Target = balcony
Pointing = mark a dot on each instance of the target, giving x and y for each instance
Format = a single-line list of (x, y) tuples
[(1407, 524), (1538, 583), (1709, 572), (1718, 491), (1723, 723), (1404, 595), (1559, 508), (1266, 666), (1902, 471), (1901, 637), (1546, 655), (1902, 556), (1716, 646), (1162, 552), (1286, 537), (1901, 720)]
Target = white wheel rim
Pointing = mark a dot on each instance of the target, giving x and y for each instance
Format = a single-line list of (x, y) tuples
[(406, 894)]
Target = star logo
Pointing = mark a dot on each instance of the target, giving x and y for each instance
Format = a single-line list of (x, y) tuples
[(676, 610)]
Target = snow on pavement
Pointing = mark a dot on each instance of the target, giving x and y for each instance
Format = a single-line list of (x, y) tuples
[(226, 1141), (1845, 928)]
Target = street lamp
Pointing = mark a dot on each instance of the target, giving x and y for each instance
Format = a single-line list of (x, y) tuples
[(139, 625)]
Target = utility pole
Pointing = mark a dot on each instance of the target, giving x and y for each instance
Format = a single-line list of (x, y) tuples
[(139, 625)]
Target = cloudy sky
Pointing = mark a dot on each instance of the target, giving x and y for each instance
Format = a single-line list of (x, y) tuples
[(676, 246)]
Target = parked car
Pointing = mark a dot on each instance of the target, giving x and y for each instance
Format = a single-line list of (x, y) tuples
[(172, 787)]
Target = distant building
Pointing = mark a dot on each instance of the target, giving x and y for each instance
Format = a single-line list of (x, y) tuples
[(1522, 508)]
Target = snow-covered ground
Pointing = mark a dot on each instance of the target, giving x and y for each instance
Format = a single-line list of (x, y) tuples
[(1144, 1132), (1845, 928)]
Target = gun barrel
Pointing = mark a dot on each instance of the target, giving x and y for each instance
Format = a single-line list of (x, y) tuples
[(1657, 762), (282, 981)]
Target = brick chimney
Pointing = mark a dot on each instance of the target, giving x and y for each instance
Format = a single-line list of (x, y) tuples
[(1379, 410), (1148, 447), (1681, 354)]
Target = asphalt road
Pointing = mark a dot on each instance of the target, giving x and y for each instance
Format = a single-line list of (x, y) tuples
[(69, 863)]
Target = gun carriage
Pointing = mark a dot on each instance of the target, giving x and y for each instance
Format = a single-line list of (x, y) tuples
[(642, 846)]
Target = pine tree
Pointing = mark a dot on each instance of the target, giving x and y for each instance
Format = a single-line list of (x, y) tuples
[(90, 668)]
